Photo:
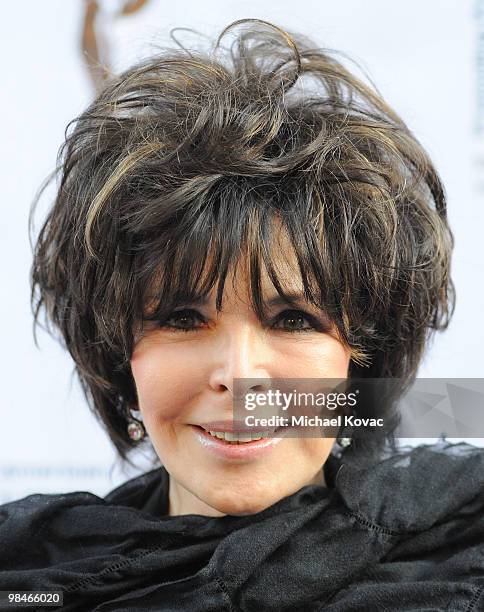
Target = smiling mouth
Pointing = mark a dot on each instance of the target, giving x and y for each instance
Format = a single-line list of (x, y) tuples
[(245, 437)]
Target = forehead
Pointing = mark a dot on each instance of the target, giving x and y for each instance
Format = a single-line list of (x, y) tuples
[(282, 257), (280, 252)]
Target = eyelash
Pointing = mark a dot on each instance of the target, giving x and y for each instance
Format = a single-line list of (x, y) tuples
[(315, 325)]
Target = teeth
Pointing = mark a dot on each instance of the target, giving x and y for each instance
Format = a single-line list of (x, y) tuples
[(241, 437)]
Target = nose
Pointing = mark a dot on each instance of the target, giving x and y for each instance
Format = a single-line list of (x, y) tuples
[(242, 356)]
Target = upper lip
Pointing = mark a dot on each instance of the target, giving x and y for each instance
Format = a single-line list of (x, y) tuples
[(234, 426)]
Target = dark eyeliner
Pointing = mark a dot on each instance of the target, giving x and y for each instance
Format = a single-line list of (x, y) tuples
[(315, 325), (185, 311)]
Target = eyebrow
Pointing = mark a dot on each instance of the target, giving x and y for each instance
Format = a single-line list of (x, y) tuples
[(291, 298)]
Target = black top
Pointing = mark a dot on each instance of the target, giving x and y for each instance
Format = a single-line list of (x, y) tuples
[(406, 533)]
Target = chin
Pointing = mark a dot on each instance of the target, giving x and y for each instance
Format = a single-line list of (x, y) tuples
[(238, 505)]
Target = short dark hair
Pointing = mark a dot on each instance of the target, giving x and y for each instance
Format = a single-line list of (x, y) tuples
[(183, 162)]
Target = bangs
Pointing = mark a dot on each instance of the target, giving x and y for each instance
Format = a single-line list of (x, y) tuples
[(268, 230), (234, 225)]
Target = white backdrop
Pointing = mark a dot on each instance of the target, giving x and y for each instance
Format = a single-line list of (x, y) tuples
[(427, 60)]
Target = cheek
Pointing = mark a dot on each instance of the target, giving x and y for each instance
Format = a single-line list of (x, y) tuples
[(311, 454), (161, 382), (327, 359), (317, 447), (339, 359)]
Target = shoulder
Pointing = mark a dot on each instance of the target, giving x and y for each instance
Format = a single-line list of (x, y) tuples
[(417, 487), (423, 512), (28, 524)]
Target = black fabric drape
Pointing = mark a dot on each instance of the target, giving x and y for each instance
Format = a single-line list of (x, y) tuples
[(404, 533)]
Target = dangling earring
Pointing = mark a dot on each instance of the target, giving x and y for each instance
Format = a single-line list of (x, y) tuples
[(344, 442), (136, 430)]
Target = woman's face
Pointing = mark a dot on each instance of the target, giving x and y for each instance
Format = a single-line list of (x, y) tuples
[(185, 378)]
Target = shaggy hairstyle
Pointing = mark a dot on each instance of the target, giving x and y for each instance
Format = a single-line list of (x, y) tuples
[(178, 170)]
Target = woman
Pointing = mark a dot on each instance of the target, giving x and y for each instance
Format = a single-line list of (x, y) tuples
[(258, 214)]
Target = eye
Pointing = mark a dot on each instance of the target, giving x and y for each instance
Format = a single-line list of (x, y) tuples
[(185, 320), (296, 319)]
